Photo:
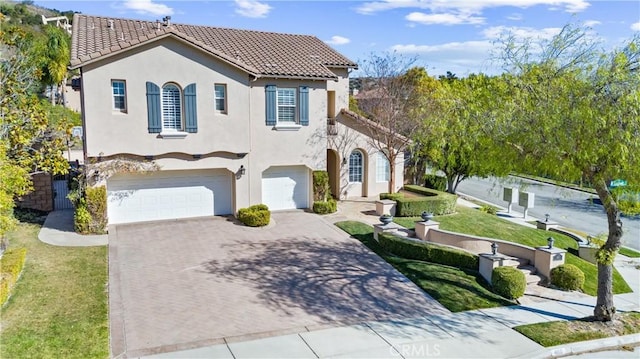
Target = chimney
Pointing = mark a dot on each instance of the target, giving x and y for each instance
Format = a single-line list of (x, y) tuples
[(167, 20), (111, 24)]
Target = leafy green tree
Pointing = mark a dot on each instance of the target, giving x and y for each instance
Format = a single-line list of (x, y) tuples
[(574, 111), (55, 57), (464, 148)]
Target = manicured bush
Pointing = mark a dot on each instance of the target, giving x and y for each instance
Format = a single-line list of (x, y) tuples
[(435, 182), (255, 216), (11, 265), (391, 196), (436, 202), (91, 211), (488, 209), (428, 252), (508, 282), (325, 207), (321, 187), (82, 218), (567, 276)]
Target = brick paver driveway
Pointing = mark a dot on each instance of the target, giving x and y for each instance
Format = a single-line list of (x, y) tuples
[(181, 284)]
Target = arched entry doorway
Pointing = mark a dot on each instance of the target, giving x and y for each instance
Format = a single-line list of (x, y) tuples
[(333, 170)]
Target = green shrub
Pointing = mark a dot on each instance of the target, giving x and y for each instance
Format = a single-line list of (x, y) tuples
[(435, 182), (96, 198), (11, 265), (391, 196), (321, 187), (428, 252), (436, 202), (488, 209), (82, 218), (255, 216), (508, 282), (325, 207), (567, 276)]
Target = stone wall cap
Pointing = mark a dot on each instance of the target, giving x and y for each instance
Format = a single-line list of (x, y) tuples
[(551, 250)]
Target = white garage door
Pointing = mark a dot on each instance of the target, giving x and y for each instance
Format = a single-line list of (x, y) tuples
[(285, 187), (168, 195)]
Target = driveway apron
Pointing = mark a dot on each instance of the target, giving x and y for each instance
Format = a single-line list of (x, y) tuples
[(183, 284)]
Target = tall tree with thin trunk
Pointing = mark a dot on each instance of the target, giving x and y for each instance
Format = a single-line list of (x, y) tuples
[(387, 99), (574, 111)]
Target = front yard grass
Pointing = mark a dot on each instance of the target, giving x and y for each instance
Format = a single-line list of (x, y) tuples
[(456, 289), (58, 308), (474, 222), (556, 333)]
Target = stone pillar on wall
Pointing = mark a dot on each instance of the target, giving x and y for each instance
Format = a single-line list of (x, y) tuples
[(41, 198), (548, 258)]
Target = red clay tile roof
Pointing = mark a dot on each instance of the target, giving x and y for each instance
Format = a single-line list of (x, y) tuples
[(263, 54)]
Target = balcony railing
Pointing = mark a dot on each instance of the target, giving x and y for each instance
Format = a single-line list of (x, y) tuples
[(332, 130)]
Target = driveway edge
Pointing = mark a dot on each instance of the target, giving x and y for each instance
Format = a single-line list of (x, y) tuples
[(117, 343)]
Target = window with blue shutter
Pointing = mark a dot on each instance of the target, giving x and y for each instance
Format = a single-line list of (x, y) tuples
[(190, 109), (270, 99), (304, 106), (153, 108)]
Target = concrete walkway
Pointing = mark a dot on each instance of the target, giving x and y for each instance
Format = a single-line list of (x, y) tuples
[(484, 333), (58, 230)]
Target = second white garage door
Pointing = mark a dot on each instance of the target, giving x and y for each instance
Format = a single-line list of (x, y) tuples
[(168, 195), (285, 187)]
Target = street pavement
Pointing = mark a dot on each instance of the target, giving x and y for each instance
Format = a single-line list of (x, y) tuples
[(570, 208)]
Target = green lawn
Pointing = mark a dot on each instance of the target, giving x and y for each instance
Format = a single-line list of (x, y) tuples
[(474, 222), (59, 306), (562, 332), (456, 289)]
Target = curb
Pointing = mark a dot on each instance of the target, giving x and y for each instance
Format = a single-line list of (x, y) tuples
[(595, 345), (551, 182)]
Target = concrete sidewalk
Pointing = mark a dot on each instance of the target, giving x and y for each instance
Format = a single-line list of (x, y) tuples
[(484, 333), (57, 230)]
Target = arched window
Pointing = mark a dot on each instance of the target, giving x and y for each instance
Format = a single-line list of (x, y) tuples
[(171, 108), (355, 166), (382, 168)]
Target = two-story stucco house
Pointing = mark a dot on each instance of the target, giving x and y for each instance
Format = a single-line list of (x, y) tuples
[(231, 117)]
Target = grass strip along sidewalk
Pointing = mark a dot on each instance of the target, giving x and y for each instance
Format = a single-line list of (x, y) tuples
[(58, 308)]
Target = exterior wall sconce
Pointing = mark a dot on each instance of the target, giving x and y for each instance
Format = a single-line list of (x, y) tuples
[(550, 241), (242, 170), (96, 176), (344, 161)]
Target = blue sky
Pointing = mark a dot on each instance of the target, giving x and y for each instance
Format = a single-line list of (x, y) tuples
[(443, 35)]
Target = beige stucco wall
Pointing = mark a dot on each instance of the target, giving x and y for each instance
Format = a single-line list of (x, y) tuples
[(349, 138)]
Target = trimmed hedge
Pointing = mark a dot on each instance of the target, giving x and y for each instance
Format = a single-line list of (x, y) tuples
[(436, 202), (91, 211), (435, 182), (11, 265), (428, 252), (567, 276), (325, 207), (508, 282), (255, 216), (321, 188)]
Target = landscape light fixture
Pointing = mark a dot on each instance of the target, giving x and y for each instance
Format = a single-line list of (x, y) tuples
[(494, 248), (550, 241), (546, 216)]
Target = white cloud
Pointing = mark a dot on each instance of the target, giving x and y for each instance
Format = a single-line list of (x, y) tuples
[(467, 6), (444, 19), (252, 8), (515, 17), (337, 40), (147, 7), (496, 32), (592, 23), (470, 47), (636, 26)]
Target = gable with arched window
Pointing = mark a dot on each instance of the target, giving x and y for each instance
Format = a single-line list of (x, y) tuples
[(171, 109), (356, 166)]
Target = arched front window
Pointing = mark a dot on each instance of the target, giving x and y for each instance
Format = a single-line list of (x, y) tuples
[(382, 168), (355, 166), (171, 108)]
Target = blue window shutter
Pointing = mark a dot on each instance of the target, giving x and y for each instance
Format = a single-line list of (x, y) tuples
[(270, 99), (153, 108), (304, 106), (190, 109)]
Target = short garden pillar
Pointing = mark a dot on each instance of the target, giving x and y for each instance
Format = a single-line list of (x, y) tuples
[(488, 262), (386, 206), (548, 258), (546, 225), (384, 228), (587, 252), (422, 228)]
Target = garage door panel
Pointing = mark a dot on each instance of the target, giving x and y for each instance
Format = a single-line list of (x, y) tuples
[(285, 187), (168, 195)]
